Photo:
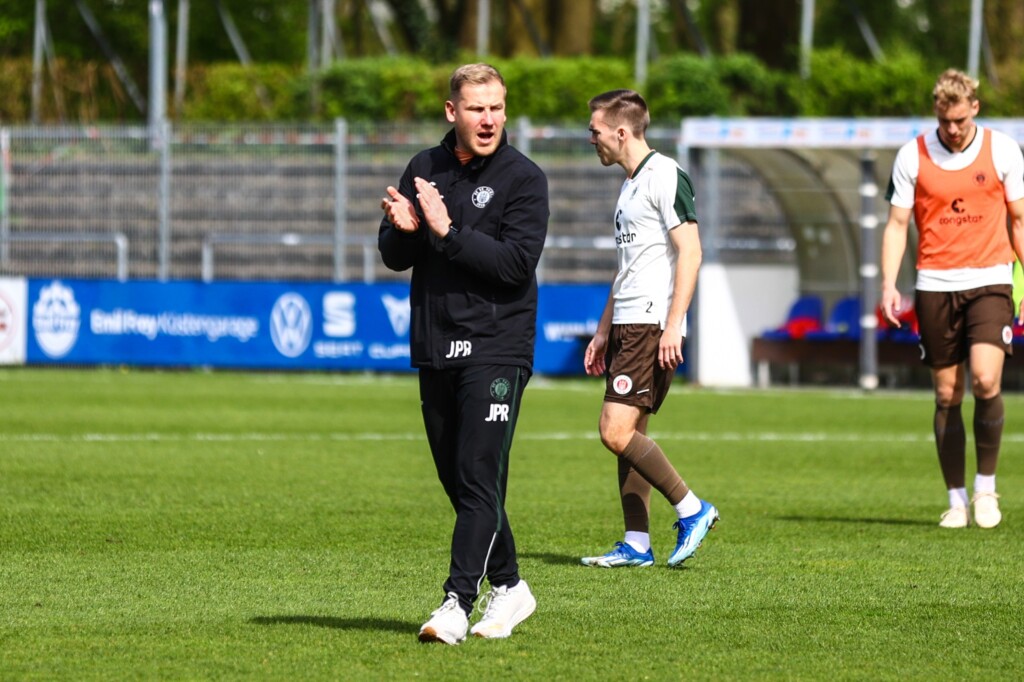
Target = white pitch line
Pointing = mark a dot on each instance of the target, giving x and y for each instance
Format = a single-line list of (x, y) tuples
[(706, 436)]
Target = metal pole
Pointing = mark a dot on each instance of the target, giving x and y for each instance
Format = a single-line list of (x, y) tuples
[(974, 43), (120, 70), (697, 169), (689, 159), (868, 273), (327, 34), (5, 187), (865, 31), (340, 196), (181, 57), (483, 25), (121, 243), (379, 17), (157, 66), (806, 37), (643, 41), (233, 35), (37, 59), (312, 29), (206, 269), (164, 205)]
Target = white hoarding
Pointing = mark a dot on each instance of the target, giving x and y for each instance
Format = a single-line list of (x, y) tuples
[(13, 319)]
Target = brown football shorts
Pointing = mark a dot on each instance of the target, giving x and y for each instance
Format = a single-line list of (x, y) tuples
[(634, 376), (953, 321)]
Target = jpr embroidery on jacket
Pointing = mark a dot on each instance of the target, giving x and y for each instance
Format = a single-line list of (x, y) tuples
[(460, 349)]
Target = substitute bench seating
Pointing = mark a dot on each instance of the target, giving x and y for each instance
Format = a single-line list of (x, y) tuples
[(832, 347)]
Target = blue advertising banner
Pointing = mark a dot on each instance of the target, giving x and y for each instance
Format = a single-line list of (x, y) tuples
[(350, 326)]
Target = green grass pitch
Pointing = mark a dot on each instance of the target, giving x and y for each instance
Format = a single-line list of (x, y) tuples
[(161, 525)]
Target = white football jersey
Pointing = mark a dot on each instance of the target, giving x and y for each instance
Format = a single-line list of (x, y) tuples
[(658, 197)]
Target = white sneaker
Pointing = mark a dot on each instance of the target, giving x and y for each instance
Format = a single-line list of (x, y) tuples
[(447, 624), (986, 510), (507, 607), (955, 517)]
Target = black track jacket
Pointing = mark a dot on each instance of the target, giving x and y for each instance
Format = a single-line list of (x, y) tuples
[(473, 294)]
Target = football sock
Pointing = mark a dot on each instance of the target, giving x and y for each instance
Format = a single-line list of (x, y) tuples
[(644, 455), (688, 506), (984, 484), (958, 497), (641, 542), (950, 442), (635, 495), (988, 432)]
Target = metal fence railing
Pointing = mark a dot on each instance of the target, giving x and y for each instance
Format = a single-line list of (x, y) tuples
[(292, 202)]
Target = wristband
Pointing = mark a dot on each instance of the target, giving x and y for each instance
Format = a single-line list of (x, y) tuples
[(448, 238)]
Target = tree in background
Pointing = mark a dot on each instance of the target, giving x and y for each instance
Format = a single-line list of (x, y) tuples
[(275, 30), (275, 35)]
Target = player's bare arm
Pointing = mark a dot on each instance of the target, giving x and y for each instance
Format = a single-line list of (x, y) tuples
[(593, 357), (399, 211), (894, 244), (1015, 209), (686, 241)]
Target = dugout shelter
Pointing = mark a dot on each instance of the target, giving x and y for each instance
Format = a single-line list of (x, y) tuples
[(829, 179)]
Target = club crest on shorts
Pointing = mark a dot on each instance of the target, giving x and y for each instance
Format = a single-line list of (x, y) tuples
[(500, 389), (482, 196), (1007, 335), (622, 384)]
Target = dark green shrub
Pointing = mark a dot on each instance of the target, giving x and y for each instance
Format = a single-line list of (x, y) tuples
[(840, 85), (544, 90), (685, 85), (558, 90), (753, 89), (73, 92), (232, 92), (383, 89)]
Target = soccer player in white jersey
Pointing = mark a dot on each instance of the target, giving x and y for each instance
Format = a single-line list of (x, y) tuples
[(639, 340)]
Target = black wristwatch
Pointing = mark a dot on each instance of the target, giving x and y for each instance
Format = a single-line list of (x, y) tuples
[(452, 231)]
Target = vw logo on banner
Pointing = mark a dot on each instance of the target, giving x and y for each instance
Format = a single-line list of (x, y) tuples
[(291, 325), (399, 313)]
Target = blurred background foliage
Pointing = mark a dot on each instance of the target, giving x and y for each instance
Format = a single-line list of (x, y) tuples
[(391, 58)]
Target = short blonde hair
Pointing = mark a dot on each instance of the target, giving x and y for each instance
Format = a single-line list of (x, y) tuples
[(472, 74), (623, 107), (954, 87)]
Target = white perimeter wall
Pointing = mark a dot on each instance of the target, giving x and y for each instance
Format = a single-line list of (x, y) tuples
[(735, 303), (13, 320)]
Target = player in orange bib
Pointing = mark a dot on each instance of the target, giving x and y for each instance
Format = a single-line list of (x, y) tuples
[(964, 186)]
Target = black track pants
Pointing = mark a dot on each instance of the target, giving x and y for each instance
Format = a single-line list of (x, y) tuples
[(470, 415)]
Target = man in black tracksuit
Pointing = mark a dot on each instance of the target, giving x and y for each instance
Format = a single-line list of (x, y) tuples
[(470, 218)]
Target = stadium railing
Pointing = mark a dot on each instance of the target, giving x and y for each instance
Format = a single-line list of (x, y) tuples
[(286, 202)]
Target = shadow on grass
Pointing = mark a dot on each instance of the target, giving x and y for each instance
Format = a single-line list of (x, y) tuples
[(549, 558), (854, 519), (375, 624)]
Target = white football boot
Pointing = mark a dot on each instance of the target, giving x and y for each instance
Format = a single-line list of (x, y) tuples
[(507, 607), (447, 624), (986, 510)]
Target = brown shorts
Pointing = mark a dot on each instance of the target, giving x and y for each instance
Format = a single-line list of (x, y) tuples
[(953, 321), (634, 375)]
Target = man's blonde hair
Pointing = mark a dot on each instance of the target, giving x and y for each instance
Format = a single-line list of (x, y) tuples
[(623, 107), (954, 87), (472, 74)]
